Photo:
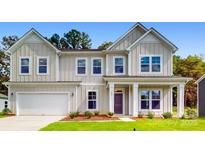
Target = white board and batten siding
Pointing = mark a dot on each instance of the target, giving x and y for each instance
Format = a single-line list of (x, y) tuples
[(150, 45), (34, 50)]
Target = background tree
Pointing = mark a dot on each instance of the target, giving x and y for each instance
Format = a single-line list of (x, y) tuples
[(85, 41), (55, 40), (105, 45), (73, 38), (8, 41), (194, 67)]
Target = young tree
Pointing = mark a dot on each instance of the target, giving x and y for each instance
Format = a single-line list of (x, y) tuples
[(105, 45)]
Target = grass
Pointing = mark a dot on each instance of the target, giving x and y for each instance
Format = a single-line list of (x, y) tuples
[(2, 115), (139, 125)]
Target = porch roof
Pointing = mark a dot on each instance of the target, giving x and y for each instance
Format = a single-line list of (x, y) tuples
[(147, 79)]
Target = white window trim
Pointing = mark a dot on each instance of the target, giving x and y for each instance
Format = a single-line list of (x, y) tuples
[(30, 64), (113, 64), (96, 100), (150, 64), (102, 64), (76, 66), (150, 103), (48, 64)]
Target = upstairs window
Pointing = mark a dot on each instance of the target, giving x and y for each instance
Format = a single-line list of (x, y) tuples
[(119, 65), (150, 64), (42, 65), (145, 64), (92, 100), (81, 66), (97, 66), (24, 65), (155, 64)]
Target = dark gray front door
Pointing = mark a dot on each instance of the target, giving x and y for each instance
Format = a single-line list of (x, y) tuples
[(118, 107)]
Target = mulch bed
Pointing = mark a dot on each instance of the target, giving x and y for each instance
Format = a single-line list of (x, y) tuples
[(93, 118)]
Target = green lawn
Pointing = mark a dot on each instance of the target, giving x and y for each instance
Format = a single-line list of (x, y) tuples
[(1, 115), (139, 125)]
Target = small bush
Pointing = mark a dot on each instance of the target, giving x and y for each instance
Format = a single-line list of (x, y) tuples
[(191, 113), (77, 114), (140, 115), (72, 115), (110, 114), (183, 116), (150, 115), (6, 111), (88, 114), (96, 113), (167, 115)]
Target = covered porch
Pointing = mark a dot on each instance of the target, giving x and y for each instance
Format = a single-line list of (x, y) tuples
[(134, 95)]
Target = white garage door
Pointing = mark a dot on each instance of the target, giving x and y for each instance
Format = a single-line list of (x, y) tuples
[(42, 104)]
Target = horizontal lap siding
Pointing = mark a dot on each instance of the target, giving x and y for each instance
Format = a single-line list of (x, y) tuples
[(68, 69), (34, 50), (201, 95)]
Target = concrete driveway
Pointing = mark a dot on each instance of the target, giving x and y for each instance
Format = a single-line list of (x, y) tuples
[(26, 123)]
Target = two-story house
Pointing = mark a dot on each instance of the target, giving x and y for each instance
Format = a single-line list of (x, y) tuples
[(133, 75)]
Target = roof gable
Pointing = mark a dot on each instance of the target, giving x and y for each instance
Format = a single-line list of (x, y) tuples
[(32, 36), (137, 25), (158, 36)]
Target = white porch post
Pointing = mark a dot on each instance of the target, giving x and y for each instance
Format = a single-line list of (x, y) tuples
[(135, 107), (111, 97), (180, 100), (171, 99), (129, 63)]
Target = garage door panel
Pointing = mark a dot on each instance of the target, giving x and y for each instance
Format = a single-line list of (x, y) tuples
[(42, 104)]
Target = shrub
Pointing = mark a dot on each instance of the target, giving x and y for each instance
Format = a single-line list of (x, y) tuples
[(150, 115), (77, 114), (6, 111), (167, 115), (140, 115), (110, 114), (183, 116), (191, 113), (88, 114), (96, 113), (72, 115)]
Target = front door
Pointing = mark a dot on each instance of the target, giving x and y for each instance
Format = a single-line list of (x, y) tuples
[(118, 105)]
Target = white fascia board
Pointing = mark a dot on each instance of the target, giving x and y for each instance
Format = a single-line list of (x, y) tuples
[(133, 27), (200, 79), (158, 35), (26, 35)]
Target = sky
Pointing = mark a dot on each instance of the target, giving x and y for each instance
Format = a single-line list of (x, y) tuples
[(188, 37)]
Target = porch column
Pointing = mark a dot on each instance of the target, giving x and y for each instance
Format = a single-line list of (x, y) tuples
[(180, 100), (135, 107), (111, 97), (170, 103)]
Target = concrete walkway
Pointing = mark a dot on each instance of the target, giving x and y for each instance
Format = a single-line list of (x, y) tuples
[(126, 119), (26, 123)]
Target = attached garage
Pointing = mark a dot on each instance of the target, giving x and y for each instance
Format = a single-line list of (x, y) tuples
[(42, 104)]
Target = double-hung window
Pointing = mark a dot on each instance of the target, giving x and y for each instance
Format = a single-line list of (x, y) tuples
[(92, 100), (150, 64), (97, 66), (119, 67), (81, 66), (150, 99), (25, 63), (42, 65)]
